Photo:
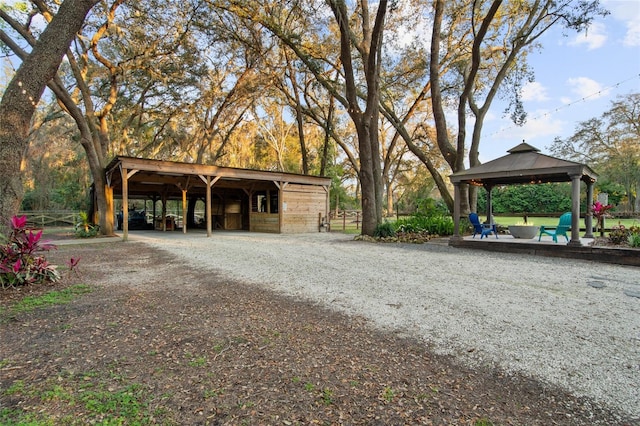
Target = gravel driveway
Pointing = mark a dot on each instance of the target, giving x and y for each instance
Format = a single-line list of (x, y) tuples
[(567, 322)]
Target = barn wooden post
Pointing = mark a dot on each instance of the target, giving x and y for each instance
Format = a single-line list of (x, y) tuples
[(208, 205), (164, 211), (184, 211), (125, 204), (108, 192)]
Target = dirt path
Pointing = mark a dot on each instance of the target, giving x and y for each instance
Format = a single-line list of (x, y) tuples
[(195, 348)]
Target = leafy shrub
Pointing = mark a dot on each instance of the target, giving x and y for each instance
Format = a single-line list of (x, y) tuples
[(434, 225), (384, 230), (619, 234), (86, 229), (634, 236), (430, 207), (89, 232), (19, 262)]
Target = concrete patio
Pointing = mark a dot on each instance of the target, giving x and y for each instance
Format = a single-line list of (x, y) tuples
[(546, 247)]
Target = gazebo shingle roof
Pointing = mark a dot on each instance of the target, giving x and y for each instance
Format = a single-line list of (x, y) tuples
[(524, 164)]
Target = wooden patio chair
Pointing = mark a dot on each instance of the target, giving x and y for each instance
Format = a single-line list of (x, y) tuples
[(484, 229), (564, 225)]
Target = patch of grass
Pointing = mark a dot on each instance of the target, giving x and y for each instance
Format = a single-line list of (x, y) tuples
[(106, 407), (57, 393), (327, 396), (31, 303), (198, 362), (483, 422), (245, 405), (16, 387), (126, 406), (11, 417), (388, 394), (213, 393)]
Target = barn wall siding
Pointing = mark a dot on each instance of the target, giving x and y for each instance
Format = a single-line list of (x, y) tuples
[(302, 207)]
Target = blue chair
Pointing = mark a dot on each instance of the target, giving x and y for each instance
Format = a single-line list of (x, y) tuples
[(484, 229), (563, 226)]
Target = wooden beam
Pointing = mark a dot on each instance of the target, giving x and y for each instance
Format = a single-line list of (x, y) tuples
[(184, 210), (109, 214), (175, 168), (281, 186), (208, 205), (125, 204), (208, 181)]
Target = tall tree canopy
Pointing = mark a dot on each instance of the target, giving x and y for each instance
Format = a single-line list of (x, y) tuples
[(294, 85), (611, 144), (23, 94)]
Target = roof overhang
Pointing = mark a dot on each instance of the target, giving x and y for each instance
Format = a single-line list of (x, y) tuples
[(146, 177), (524, 165)]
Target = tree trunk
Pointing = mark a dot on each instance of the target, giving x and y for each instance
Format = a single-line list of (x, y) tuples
[(390, 204), (366, 122), (370, 199), (299, 118), (23, 94)]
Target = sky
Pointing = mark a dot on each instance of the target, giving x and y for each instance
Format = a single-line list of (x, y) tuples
[(576, 78)]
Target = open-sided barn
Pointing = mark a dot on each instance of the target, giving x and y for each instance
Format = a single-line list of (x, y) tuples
[(238, 199)]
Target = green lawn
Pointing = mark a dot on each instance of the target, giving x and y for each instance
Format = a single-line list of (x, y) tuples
[(350, 226), (553, 221)]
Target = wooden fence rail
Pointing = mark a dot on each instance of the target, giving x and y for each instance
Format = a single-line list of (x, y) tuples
[(345, 216), (42, 219)]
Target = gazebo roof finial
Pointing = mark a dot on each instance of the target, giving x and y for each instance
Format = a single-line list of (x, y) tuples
[(523, 147)]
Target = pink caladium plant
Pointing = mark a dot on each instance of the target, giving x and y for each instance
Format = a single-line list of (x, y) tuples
[(599, 209), (18, 222), (19, 262)]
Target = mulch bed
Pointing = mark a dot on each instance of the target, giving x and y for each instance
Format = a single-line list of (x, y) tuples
[(201, 349)]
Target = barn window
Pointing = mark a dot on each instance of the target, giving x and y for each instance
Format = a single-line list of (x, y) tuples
[(265, 202)]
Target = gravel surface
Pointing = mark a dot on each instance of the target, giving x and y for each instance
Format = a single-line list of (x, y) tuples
[(566, 322)]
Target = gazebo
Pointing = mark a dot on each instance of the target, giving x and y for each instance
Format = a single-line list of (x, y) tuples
[(525, 165)]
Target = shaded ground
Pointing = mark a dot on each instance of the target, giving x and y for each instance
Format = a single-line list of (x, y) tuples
[(182, 346)]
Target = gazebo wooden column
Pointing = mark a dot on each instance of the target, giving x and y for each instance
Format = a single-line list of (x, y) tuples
[(588, 217), (456, 212), (575, 210), (489, 188)]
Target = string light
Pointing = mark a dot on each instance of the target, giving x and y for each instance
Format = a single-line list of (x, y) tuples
[(572, 103)]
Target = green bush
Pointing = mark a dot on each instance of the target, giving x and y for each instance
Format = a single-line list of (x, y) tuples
[(634, 236), (86, 229), (434, 225), (619, 234), (88, 232), (384, 230)]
